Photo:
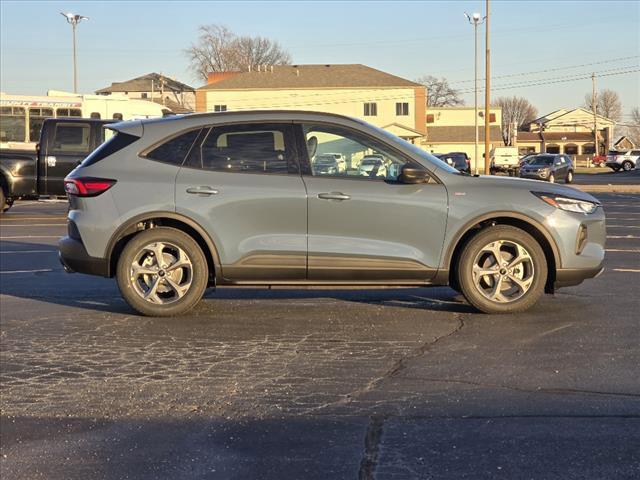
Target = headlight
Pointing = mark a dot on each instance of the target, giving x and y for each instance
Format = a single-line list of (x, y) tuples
[(568, 204)]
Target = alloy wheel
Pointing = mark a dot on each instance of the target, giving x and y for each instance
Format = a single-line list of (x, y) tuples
[(503, 271), (161, 273)]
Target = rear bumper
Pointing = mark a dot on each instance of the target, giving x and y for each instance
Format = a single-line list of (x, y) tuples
[(567, 277), (74, 258)]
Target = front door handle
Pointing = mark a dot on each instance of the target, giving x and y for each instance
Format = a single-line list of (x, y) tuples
[(333, 196), (203, 190)]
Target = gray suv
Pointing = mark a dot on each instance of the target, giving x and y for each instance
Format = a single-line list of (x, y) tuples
[(549, 167), (173, 206)]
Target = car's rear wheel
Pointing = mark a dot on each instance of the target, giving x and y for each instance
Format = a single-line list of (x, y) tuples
[(569, 178), (162, 272), (552, 178), (502, 270), (627, 166)]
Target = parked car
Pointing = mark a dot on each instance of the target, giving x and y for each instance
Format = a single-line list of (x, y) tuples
[(173, 206), (329, 164), (504, 159), (64, 143), (599, 160), (549, 167), (626, 161), (458, 160), (373, 166)]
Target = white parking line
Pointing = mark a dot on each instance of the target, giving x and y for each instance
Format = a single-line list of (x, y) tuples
[(26, 271), (18, 217), (622, 236), (623, 226), (30, 236), (36, 225), (631, 270), (632, 250), (28, 251)]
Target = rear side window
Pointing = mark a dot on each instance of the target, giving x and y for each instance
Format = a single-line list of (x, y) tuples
[(175, 150), (112, 145), (257, 148)]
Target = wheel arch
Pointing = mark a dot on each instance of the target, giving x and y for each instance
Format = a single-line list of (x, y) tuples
[(165, 219), (523, 222)]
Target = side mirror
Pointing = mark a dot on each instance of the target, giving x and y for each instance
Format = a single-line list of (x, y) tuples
[(413, 175)]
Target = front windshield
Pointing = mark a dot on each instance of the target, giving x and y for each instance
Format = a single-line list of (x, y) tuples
[(541, 160), (423, 155)]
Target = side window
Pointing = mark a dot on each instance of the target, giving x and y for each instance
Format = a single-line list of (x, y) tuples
[(68, 112), (174, 150), (12, 124), (71, 137), (117, 116), (95, 115), (339, 152), (36, 119), (256, 148)]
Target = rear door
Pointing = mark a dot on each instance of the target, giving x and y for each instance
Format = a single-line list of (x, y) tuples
[(242, 184), (68, 143), (368, 226)]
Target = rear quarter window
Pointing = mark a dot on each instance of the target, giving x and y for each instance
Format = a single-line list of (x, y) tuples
[(175, 150)]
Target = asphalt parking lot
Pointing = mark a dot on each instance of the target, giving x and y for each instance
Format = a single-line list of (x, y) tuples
[(606, 176), (315, 384)]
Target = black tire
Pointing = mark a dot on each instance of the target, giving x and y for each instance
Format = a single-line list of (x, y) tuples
[(569, 178), (552, 178), (615, 169), (473, 249), (198, 264), (627, 166), (2, 201)]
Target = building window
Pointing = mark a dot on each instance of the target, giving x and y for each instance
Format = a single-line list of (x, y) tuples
[(553, 149), (492, 118), (588, 149), (117, 116), (370, 109), (571, 149), (430, 118), (68, 112), (402, 108), (143, 95), (219, 108), (95, 115)]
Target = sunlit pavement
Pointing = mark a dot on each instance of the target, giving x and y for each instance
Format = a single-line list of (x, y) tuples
[(257, 383)]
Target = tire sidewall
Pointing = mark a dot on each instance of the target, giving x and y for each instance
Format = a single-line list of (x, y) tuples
[(473, 247), (198, 261), (569, 177), (627, 166), (552, 178)]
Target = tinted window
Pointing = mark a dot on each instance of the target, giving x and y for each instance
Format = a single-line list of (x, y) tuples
[(175, 150), (36, 119), (12, 124), (542, 160), (258, 148), (68, 112), (112, 145), (71, 137)]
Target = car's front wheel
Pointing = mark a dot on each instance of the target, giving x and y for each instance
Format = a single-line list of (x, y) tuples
[(552, 178), (162, 272), (502, 270), (569, 178), (627, 166)]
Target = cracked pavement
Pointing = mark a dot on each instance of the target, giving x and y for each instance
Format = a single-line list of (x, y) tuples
[(258, 383)]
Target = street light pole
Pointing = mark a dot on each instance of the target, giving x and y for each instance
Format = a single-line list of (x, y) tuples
[(74, 20), (475, 20)]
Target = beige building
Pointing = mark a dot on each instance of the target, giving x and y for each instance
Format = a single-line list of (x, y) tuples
[(385, 100), (451, 129), (567, 131), (175, 95)]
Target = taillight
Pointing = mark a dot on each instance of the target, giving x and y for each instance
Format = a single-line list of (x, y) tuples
[(87, 187)]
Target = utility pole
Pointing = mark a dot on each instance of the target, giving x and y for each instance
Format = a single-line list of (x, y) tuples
[(487, 96), (596, 149)]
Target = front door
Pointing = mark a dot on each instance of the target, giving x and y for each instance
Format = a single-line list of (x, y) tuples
[(242, 184), (364, 225)]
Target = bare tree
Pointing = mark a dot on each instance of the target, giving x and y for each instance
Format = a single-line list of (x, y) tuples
[(516, 111), (607, 104), (633, 128), (439, 92), (218, 49)]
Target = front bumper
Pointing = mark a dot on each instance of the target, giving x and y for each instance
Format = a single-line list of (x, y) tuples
[(74, 258), (534, 176), (568, 277)]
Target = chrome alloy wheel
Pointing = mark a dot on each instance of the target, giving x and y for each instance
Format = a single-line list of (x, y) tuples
[(503, 271), (161, 273)]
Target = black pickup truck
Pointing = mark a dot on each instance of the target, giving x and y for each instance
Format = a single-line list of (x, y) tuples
[(64, 143)]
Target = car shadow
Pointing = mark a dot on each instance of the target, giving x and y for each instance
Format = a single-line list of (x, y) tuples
[(45, 280)]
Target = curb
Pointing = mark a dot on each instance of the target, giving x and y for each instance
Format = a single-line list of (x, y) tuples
[(631, 188)]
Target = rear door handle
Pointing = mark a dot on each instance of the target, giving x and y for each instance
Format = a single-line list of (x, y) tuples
[(333, 196), (203, 190)]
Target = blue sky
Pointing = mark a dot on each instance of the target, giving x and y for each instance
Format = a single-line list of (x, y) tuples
[(123, 40)]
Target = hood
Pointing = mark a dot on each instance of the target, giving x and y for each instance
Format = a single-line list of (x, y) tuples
[(532, 186)]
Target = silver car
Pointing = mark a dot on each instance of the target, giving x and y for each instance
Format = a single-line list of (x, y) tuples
[(172, 206)]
